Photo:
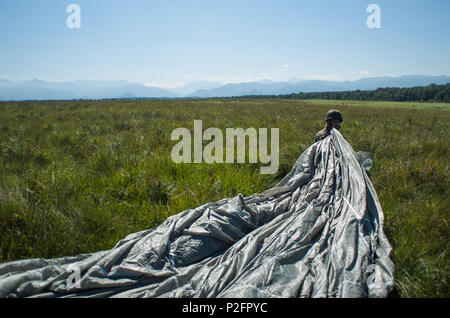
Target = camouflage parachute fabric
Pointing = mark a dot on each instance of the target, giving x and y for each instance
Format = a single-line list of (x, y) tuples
[(318, 233)]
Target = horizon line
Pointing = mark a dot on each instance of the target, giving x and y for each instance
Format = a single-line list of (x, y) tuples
[(183, 84)]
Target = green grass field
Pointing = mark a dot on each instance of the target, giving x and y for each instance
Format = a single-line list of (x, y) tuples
[(78, 176)]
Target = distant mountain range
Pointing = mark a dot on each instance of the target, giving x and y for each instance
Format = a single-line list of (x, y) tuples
[(307, 86), (37, 89), (42, 90)]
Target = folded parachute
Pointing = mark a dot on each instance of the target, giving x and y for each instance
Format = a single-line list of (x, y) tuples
[(317, 233)]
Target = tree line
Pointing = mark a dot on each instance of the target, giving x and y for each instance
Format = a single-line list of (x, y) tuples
[(430, 93)]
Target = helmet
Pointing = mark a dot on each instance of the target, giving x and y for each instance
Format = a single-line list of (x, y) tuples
[(334, 114)]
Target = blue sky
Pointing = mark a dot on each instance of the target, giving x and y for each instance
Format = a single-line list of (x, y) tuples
[(169, 43)]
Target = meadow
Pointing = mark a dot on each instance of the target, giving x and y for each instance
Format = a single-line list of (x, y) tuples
[(78, 176)]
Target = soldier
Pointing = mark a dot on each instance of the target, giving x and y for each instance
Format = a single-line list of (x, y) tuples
[(334, 120)]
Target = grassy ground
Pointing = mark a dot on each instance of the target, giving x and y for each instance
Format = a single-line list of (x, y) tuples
[(383, 104), (78, 176)]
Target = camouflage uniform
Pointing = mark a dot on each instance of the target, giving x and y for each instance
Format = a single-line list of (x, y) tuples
[(322, 134)]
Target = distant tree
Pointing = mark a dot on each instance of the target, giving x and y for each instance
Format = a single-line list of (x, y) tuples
[(432, 92)]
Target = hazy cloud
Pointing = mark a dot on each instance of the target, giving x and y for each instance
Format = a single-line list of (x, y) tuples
[(325, 77), (282, 68)]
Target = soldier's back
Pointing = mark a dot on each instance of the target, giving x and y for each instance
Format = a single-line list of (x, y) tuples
[(322, 134)]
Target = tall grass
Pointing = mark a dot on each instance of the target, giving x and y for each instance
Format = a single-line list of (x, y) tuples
[(77, 176)]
